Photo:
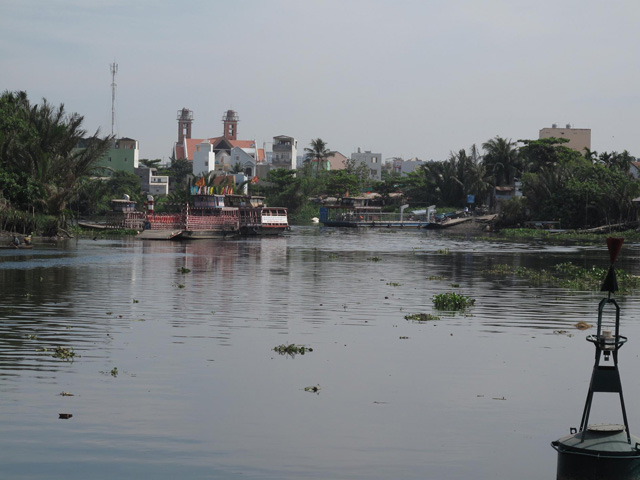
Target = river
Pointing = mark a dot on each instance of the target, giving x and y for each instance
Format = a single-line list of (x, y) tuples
[(174, 373)]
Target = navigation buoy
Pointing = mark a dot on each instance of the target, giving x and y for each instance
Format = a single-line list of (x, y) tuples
[(607, 451)]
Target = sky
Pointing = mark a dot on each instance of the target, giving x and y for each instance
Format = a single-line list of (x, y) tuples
[(402, 78)]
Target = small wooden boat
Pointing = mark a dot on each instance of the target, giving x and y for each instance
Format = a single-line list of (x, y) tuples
[(22, 246)]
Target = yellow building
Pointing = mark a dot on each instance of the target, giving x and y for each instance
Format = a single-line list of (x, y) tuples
[(579, 138)]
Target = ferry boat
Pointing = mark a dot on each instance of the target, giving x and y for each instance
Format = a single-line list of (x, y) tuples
[(256, 218), (207, 218), (364, 212)]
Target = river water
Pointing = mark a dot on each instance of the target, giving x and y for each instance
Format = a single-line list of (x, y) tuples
[(199, 392)]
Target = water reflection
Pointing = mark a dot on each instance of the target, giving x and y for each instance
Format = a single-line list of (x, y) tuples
[(201, 394)]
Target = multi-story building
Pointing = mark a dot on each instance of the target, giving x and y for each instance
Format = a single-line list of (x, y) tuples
[(121, 156), (373, 161), (337, 161), (410, 165), (285, 152), (152, 183), (579, 138)]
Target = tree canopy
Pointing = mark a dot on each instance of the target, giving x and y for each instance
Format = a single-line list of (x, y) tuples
[(48, 148)]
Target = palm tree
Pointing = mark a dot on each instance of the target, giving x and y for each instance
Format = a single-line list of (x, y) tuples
[(317, 152), (45, 146), (501, 160)]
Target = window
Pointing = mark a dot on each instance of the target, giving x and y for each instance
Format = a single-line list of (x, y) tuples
[(206, 163)]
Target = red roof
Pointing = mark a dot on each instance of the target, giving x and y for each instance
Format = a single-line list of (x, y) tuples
[(190, 144)]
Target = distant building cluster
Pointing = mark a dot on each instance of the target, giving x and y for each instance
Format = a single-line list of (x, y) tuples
[(227, 154)]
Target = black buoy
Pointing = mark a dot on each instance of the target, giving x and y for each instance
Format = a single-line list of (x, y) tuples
[(602, 452)]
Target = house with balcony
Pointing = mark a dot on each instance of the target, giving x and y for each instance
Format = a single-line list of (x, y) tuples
[(285, 152), (151, 182), (373, 161)]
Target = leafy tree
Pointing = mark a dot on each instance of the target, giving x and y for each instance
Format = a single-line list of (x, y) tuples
[(340, 183), (150, 163), (180, 171), (545, 153)]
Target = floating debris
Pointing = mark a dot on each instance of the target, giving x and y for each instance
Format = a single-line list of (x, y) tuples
[(180, 285), (114, 372), (314, 389), (66, 394), (65, 416), (421, 317), (443, 251), (292, 350), (394, 284), (136, 301), (583, 325), (374, 259), (184, 270)]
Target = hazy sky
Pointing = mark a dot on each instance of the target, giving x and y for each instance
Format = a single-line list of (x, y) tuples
[(399, 77)]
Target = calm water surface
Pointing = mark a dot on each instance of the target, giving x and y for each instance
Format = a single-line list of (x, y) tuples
[(200, 393)]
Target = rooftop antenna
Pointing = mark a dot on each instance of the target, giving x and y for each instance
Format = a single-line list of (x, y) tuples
[(114, 70)]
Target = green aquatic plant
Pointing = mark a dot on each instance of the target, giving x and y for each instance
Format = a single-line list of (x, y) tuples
[(292, 349), (421, 317), (64, 353), (374, 259), (114, 372), (394, 284), (184, 270), (443, 251), (570, 276), (452, 301)]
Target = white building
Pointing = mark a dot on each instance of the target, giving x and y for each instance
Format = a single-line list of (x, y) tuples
[(246, 161), (152, 183), (204, 158), (373, 161)]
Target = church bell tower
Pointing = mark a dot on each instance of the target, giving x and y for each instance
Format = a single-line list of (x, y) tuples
[(230, 120)]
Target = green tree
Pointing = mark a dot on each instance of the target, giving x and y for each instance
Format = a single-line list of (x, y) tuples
[(150, 163), (42, 141), (502, 161), (180, 171)]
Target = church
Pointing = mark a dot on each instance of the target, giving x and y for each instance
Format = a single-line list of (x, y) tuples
[(225, 154)]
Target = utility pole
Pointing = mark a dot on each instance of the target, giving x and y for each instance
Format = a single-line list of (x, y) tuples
[(114, 70)]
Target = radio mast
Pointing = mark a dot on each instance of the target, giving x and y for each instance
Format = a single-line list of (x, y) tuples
[(114, 70)]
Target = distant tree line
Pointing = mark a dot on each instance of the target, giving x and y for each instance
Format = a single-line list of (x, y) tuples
[(45, 179), (557, 183)]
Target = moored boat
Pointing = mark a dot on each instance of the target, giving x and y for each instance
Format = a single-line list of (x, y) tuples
[(364, 212), (207, 218), (256, 218)]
